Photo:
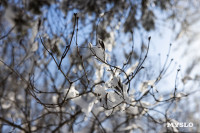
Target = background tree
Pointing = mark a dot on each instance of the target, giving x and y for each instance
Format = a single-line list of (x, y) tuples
[(83, 66)]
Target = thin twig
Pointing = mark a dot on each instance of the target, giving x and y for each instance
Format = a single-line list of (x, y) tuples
[(104, 131), (82, 63), (68, 46), (7, 33), (54, 60), (139, 67)]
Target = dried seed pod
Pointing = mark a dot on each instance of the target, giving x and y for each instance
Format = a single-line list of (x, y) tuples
[(101, 43)]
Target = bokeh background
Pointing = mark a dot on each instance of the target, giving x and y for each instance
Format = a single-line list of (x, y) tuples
[(36, 34)]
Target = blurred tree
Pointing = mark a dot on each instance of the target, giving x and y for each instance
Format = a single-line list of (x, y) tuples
[(56, 76)]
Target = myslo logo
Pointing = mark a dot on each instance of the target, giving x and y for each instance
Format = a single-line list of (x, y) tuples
[(179, 124)]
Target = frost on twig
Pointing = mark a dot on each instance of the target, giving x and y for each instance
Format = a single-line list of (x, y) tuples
[(98, 52)]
